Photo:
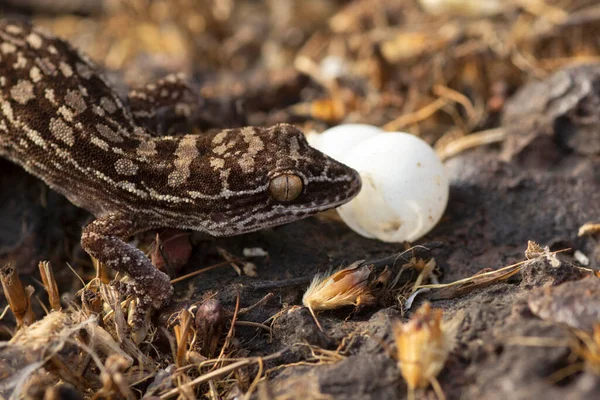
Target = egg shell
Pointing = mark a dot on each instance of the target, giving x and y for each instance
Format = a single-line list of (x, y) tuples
[(313, 138), (337, 141), (405, 188)]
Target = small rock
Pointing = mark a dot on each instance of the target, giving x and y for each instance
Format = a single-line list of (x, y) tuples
[(575, 303), (556, 114), (298, 326)]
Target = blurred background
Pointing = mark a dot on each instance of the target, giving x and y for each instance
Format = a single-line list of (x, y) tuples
[(440, 69)]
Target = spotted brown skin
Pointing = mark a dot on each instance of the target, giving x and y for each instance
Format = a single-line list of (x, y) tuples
[(63, 122)]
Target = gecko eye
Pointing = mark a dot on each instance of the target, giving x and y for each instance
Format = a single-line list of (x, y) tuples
[(286, 187)]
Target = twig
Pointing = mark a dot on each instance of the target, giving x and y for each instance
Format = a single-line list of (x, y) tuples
[(231, 328), (19, 298), (415, 251), (200, 271), (256, 379), (417, 116), (203, 378), (457, 97), (284, 283), (50, 284), (182, 331), (253, 324), (262, 301), (476, 139)]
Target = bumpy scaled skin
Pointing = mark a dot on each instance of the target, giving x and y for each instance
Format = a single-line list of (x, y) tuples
[(166, 106), (61, 120)]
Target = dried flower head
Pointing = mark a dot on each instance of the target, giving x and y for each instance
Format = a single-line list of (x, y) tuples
[(346, 287), (422, 347)]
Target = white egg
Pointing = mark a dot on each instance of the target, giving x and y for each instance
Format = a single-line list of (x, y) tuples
[(405, 188), (337, 141), (313, 138)]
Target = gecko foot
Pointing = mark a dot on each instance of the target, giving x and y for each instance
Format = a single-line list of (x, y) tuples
[(125, 289), (103, 239)]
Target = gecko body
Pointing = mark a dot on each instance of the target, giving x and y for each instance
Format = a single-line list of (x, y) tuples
[(62, 121)]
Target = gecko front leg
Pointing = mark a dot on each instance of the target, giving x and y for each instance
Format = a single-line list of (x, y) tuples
[(173, 105), (169, 105), (104, 240)]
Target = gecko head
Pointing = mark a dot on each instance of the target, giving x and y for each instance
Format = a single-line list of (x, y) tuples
[(274, 177)]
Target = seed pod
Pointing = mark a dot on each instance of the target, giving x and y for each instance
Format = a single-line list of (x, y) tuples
[(210, 321)]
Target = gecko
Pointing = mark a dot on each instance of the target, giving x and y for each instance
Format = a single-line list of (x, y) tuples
[(63, 122)]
